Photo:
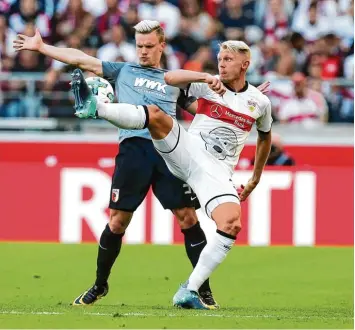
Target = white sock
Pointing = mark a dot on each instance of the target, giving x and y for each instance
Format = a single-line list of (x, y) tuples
[(122, 115), (211, 256)]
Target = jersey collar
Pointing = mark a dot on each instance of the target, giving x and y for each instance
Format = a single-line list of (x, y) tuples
[(244, 89)]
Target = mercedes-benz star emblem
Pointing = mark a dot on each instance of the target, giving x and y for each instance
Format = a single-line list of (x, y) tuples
[(216, 111)]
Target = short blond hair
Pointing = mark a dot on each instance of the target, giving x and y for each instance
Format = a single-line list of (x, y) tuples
[(147, 26), (235, 46)]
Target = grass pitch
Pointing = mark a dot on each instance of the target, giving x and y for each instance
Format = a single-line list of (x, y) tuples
[(276, 287)]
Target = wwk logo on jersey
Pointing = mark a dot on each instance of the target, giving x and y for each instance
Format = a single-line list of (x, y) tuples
[(151, 84)]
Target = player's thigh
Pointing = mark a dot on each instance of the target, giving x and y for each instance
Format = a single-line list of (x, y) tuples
[(212, 184), (176, 149), (132, 175)]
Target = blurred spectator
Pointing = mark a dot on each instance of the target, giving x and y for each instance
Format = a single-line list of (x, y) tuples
[(254, 38), (94, 7), (71, 18), (198, 23), (277, 156), (167, 14), (197, 61), (235, 17), (52, 75), (29, 13), (184, 43), (306, 107), (92, 40), (311, 25), (298, 44), (109, 19), (131, 18), (349, 67), (6, 38), (344, 26), (283, 60), (275, 21), (118, 47)]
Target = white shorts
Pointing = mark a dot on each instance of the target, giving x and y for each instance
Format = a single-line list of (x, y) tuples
[(187, 158)]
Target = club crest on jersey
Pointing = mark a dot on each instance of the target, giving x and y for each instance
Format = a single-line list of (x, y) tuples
[(114, 195), (150, 84), (251, 105), (216, 111)]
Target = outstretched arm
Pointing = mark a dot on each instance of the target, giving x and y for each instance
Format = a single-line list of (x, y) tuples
[(181, 78), (70, 56)]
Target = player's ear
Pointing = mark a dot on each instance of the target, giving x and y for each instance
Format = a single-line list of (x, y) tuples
[(162, 46), (245, 65)]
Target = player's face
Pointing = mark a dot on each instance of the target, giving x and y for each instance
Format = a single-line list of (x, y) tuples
[(149, 49), (231, 65)]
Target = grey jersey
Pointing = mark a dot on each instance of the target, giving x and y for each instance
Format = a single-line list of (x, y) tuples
[(140, 86)]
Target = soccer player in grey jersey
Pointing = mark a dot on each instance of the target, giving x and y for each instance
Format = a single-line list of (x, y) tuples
[(138, 165)]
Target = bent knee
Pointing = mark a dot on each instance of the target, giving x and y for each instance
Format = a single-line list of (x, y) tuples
[(231, 225), (155, 114), (119, 221)]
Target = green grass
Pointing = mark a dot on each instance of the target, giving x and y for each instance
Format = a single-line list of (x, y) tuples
[(277, 287)]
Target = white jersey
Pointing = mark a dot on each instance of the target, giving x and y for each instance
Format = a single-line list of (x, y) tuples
[(224, 122)]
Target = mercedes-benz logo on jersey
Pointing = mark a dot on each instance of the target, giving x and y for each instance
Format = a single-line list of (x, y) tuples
[(216, 111)]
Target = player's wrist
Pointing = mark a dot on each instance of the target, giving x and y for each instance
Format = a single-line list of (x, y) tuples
[(41, 47), (208, 78)]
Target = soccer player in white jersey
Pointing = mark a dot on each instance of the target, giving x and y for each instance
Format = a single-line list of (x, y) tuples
[(206, 155)]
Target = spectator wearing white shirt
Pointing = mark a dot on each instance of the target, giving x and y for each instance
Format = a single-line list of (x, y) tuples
[(312, 25), (306, 107), (29, 13), (164, 12), (118, 47)]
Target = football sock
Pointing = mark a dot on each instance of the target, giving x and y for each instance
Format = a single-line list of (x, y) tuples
[(195, 241), (124, 115), (109, 248), (211, 256)]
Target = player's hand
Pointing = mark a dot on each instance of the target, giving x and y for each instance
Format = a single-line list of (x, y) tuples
[(28, 43), (216, 85), (264, 87), (246, 190)]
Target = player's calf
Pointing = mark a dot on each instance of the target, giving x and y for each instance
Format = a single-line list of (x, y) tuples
[(119, 221)]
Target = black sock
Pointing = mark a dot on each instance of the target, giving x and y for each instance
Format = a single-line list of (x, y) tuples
[(195, 241), (109, 249)]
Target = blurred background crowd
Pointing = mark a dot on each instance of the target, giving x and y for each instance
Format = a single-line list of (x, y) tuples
[(305, 48)]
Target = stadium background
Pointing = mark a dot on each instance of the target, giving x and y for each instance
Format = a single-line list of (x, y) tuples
[(55, 169)]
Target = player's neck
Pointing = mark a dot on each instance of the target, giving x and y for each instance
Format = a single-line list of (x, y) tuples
[(239, 85)]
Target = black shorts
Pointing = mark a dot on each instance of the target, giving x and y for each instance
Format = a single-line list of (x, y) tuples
[(139, 166)]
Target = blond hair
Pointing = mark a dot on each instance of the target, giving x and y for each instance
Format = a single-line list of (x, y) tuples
[(147, 26), (235, 46)]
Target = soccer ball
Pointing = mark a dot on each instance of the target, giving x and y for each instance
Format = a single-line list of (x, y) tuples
[(101, 88)]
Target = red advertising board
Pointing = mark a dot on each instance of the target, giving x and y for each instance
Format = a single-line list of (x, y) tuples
[(59, 192)]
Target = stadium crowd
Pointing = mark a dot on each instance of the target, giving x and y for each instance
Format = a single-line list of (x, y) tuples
[(303, 47)]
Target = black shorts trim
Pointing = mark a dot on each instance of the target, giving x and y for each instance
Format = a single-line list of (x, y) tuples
[(218, 197), (168, 152)]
